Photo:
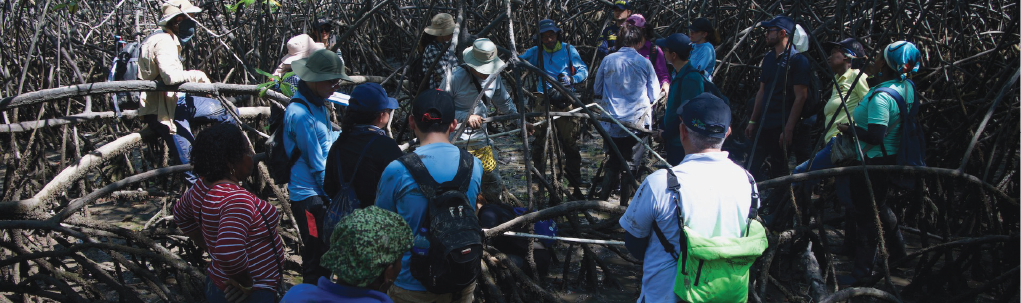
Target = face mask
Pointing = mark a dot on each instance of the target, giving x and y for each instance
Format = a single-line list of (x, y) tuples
[(186, 30)]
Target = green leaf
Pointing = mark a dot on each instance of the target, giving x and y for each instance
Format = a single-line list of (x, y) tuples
[(264, 73), (287, 75), (287, 89), (262, 92)]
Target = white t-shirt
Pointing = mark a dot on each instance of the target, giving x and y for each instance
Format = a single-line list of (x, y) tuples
[(715, 199)]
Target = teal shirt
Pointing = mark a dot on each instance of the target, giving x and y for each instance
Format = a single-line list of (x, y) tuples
[(686, 84), (881, 108)]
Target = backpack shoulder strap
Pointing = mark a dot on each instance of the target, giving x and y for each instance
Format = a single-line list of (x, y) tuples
[(675, 189), (465, 168), (753, 209), (413, 163), (900, 105), (358, 163), (296, 152)]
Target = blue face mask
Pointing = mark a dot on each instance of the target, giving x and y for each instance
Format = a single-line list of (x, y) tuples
[(186, 30)]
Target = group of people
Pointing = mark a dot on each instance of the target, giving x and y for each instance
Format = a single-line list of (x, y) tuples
[(373, 253)]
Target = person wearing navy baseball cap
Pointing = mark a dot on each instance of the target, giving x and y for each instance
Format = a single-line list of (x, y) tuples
[(779, 103), (686, 84), (363, 149), (608, 38), (711, 205)]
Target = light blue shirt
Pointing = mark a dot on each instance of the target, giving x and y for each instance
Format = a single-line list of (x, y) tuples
[(715, 199), (558, 62), (313, 134), (463, 89), (398, 192), (627, 81), (703, 58)]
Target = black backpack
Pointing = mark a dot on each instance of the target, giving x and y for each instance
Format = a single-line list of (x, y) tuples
[(454, 259), (279, 163), (345, 200), (124, 68)]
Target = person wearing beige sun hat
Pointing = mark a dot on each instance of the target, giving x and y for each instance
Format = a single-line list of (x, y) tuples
[(464, 84), (308, 136), (298, 47), (434, 46), (160, 60)]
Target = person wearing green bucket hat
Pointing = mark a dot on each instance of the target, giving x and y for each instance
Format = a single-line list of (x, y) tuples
[(308, 136), (365, 256)]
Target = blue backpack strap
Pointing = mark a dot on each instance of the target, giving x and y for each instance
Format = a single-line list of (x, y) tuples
[(900, 105)]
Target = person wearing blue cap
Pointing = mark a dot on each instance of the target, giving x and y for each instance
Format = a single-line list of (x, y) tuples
[(783, 91), (713, 198), (686, 84), (464, 84), (608, 38), (628, 85), (561, 61), (363, 149), (877, 122)]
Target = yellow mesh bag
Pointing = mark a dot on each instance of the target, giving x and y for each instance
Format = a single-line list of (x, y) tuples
[(486, 155)]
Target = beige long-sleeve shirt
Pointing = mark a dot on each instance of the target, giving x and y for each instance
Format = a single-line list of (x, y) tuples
[(161, 60)]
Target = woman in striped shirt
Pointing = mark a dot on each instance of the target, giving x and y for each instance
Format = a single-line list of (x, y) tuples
[(233, 225)]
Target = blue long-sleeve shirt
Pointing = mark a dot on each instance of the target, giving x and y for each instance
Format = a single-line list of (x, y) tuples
[(558, 62), (313, 134), (627, 81)]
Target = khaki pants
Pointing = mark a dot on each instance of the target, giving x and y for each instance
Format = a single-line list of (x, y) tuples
[(567, 132), (400, 295)]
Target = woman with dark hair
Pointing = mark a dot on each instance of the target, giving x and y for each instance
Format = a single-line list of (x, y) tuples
[(237, 228), (703, 37), (628, 85), (652, 52), (433, 46)]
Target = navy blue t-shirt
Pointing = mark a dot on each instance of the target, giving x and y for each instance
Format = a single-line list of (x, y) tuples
[(780, 88)]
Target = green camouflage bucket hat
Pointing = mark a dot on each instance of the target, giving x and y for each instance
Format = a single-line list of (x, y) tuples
[(364, 243)]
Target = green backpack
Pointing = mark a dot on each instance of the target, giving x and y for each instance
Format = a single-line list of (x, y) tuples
[(714, 269)]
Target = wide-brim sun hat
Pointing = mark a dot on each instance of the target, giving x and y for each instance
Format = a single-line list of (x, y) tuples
[(482, 56), (173, 8), (441, 25), (321, 65), (299, 47)]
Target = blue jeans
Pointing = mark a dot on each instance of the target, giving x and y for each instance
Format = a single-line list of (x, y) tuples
[(189, 109), (822, 159), (215, 295)]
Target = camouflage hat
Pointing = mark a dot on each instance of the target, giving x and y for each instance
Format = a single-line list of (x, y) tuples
[(364, 243)]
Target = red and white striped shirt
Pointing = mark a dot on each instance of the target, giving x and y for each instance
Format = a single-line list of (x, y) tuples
[(238, 228)]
